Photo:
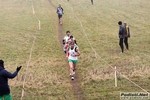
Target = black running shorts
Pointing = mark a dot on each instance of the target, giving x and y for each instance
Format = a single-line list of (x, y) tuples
[(59, 16)]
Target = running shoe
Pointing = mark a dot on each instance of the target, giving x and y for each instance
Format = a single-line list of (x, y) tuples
[(72, 78)]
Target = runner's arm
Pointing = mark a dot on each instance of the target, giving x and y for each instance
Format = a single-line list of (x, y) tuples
[(63, 41), (57, 11), (67, 52), (78, 52)]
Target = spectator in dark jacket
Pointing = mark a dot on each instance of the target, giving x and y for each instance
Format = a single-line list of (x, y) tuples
[(121, 35), (4, 87)]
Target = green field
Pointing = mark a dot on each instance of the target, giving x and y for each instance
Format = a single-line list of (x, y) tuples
[(95, 28)]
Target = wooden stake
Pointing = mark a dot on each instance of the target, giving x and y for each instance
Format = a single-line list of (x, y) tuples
[(115, 77)]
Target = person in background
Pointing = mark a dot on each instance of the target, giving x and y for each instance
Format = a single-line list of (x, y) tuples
[(66, 46), (60, 13), (92, 2), (127, 35), (121, 35), (65, 39), (4, 76), (74, 40)]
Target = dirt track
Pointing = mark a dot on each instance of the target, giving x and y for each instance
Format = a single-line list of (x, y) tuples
[(75, 83)]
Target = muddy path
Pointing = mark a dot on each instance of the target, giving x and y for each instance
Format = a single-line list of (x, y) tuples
[(78, 93)]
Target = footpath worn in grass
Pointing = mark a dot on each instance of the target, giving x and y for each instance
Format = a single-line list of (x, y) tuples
[(47, 77)]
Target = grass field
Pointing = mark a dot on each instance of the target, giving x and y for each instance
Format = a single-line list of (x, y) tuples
[(47, 76)]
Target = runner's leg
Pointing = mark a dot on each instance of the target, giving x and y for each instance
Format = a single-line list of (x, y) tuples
[(71, 68), (60, 20), (74, 66)]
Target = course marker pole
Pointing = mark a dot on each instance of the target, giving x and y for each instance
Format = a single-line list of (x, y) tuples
[(39, 25), (115, 77), (22, 93), (33, 9)]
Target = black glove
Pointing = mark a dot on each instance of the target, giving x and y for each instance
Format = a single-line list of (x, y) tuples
[(18, 68)]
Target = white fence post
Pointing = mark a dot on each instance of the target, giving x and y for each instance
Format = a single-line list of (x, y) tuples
[(39, 25), (115, 77)]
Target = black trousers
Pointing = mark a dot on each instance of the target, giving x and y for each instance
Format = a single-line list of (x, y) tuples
[(121, 44), (126, 42), (92, 2)]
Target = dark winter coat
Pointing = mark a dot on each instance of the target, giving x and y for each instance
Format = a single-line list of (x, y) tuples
[(4, 75), (122, 32)]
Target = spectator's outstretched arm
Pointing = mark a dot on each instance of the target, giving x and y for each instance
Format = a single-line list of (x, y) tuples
[(10, 75)]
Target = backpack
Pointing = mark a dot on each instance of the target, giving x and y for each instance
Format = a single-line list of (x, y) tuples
[(128, 31)]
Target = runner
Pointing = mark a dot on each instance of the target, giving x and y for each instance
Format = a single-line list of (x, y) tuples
[(65, 39), (60, 12), (73, 40), (66, 46), (72, 58)]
